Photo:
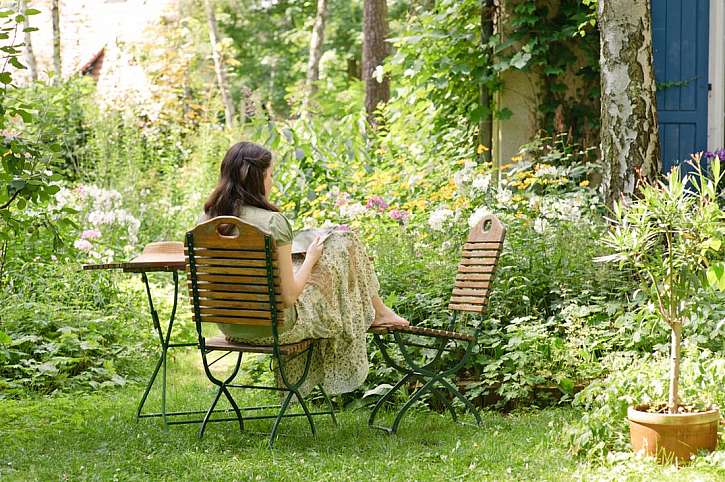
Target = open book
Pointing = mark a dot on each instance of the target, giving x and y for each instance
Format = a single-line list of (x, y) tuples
[(304, 238)]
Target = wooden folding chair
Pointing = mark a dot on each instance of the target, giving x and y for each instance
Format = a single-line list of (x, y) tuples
[(235, 279), (469, 298)]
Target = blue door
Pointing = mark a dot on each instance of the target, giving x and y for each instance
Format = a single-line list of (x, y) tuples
[(680, 41)]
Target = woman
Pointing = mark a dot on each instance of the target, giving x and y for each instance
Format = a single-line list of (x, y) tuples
[(332, 295)]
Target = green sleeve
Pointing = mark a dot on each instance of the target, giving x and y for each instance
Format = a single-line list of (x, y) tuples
[(281, 229)]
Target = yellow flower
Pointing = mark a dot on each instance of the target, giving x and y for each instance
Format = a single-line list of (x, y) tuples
[(584, 183), (517, 158), (481, 149)]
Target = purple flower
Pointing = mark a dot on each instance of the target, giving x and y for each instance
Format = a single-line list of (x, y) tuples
[(343, 228), (399, 215), (377, 202)]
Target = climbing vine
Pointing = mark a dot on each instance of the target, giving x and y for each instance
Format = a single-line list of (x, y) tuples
[(440, 57)]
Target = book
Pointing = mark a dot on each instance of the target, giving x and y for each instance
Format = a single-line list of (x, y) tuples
[(304, 238)]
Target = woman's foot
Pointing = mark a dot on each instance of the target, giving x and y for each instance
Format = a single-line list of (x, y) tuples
[(387, 318)]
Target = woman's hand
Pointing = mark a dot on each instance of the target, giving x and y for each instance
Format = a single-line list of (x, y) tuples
[(314, 250)]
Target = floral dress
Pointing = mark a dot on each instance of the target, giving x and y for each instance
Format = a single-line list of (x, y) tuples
[(335, 308)]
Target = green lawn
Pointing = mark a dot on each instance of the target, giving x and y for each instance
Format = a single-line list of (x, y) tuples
[(95, 437)]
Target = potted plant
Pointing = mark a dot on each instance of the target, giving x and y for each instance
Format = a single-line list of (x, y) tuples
[(673, 238)]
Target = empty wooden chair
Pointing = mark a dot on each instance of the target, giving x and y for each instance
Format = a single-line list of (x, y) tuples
[(468, 301)]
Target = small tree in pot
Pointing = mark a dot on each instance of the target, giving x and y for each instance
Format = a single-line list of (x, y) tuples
[(673, 238)]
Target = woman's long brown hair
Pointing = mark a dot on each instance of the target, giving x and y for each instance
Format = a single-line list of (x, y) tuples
[(241, 181)]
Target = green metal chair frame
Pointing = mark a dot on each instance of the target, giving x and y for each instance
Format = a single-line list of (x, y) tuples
[(234, 279), (469, 297)]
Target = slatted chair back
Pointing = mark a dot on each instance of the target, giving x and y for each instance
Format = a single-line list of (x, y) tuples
[(478, 266), (233, 278)]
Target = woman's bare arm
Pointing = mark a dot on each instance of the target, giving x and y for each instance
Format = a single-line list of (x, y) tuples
[(293, 283)]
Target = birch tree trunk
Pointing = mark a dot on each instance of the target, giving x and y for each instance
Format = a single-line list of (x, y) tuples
[(30, 55), (313, 64), (221, 74), (375, 49), (485, 124), (629, 131), (55, 13)]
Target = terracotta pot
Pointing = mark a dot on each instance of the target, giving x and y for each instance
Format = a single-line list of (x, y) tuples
[(673, 437)]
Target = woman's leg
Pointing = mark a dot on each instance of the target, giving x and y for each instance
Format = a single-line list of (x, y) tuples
[(386, 317)]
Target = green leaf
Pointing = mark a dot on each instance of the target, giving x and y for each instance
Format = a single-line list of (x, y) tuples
[(716, 276), (5, 338), (6, 77), (32, 11)]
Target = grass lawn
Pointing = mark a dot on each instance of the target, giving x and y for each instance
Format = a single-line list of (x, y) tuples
[(95, 437)]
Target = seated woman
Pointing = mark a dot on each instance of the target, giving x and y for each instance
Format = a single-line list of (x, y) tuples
[(332, 295)]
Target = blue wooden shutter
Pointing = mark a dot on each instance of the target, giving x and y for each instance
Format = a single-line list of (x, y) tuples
[(680, 41)]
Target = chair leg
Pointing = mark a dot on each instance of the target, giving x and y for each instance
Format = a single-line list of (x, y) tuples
[(210, 411), (385, 398), (277, 420), (462, 398), (329, 404), (307, 412), (229, 395), (401, 413), (446, 404)]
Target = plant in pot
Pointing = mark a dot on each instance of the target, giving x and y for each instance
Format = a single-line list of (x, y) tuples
[(673, 239)]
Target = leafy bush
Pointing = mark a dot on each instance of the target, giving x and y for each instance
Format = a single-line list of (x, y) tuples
[(632, 379)]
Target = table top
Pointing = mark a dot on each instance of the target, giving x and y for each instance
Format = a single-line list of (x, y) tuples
[(159, 256)]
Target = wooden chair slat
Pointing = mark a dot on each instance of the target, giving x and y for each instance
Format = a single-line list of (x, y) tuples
[(231, 270), (470, 292), (478, 261), (468, 276), (472, 284), (230, 295), (466, 307), (483, 253), (236, 313), (235, 288), (470, 300), (237, 263), (232, 279), (207, 234), (496, 245), (246, 263), (235, 321), (228, 253), (221, 343), (463, 270), (475, 267), (232, 304)]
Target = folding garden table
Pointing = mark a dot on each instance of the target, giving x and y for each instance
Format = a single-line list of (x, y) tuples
[(165, 256)]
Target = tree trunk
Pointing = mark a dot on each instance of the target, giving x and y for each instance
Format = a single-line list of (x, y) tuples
[(674, 401), (55, 12), (221, 74), (32, 64), (313, 64), (375, 49), (485, 124), (629, 132)]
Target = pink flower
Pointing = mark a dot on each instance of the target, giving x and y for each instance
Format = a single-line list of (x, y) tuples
[(83, 245), (342, 199), (91, 234), (343, 228), (377, 202), (399, 215)]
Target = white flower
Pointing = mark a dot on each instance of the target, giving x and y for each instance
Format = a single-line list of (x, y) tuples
[(438, 217), (481, 182), (352, 210), (550, 171), (477, 215), (540, 225), (469, 164), (413, 180), (504, 196), (82, 244)]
